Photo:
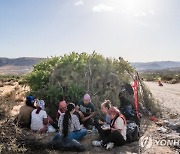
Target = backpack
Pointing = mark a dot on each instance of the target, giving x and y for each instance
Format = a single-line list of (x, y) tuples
[(132, 132)]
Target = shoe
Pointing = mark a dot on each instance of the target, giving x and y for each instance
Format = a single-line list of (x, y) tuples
[(109, 146), (89, 131), (97, 143)]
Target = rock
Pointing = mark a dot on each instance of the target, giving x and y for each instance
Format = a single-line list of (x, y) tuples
[(175, 126), (1, 84), (158, 114), (162, 129), (163, 123)]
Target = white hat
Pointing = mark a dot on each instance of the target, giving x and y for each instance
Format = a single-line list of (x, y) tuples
[(41, 104)]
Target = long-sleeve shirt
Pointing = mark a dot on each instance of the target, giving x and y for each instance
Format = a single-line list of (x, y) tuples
[(74, 124)]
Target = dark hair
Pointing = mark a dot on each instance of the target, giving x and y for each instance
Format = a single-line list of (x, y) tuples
[(107, 103), (38, 110), (67, 118)]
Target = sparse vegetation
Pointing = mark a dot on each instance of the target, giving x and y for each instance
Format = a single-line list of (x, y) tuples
[(166, 76), (9, 78)]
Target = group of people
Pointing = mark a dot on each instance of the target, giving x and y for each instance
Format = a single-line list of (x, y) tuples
[(74, 121)]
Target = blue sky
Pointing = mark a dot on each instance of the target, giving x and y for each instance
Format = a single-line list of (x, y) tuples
[(138, 30)]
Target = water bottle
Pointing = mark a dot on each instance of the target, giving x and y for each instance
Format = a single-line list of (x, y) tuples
[(94, 130)]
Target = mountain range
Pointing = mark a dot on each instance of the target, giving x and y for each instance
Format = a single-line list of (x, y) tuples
[(157, 65), (23, 65)]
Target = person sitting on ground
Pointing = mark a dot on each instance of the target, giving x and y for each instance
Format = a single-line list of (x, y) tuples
[(39, 118), (69, 124), (61, 110), (117, 133), (85, 111), (24, 116), (104, 109)]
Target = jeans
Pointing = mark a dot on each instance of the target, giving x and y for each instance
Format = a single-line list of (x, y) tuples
[(78, 135)]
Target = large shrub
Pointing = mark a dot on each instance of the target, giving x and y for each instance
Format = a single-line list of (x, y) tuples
[(69, 77)]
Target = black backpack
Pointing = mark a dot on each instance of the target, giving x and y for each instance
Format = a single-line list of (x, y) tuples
[(132, 133)]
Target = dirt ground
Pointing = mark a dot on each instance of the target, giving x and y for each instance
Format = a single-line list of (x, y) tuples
[(167, 95), (17, 140)]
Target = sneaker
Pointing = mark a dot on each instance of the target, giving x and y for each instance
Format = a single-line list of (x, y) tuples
[(89, 131), (110, 145), (97, 143)]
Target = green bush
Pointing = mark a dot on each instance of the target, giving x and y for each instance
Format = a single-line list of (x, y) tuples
[(69, 77)]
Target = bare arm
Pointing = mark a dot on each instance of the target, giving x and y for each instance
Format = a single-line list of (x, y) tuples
[(91, 115), (45, 121), (77, 108)]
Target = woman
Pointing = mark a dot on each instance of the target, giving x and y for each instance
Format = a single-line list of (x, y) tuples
[(69, 124), (117, 134), (104, 109), (39, 118)]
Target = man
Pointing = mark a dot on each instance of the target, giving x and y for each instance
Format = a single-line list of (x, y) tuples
[(24, 116), (85, 110), (62, 109)]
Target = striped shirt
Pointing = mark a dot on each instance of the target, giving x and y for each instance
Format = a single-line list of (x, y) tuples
[(74, 124)]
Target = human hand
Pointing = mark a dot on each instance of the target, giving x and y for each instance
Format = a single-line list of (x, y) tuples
[(100, 122), (84, 119)]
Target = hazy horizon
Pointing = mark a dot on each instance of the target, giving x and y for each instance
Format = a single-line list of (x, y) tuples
[(137, 30), (116, 58)]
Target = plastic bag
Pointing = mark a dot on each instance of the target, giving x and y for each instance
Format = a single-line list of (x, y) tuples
[(51, 129)]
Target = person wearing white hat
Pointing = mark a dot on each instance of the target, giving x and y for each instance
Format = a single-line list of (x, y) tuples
[(39, 118)]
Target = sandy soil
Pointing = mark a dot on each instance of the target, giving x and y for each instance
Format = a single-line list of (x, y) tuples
[(167, 95)]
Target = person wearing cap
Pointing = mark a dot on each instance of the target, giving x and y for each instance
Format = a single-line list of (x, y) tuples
[(24, 116), (85, 111), (39, 118), (62, 109)]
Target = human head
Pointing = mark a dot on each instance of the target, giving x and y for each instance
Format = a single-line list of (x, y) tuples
[(70, 107), (113, 112), (67, 117), (40, 104), (63, 106), (30, 100), (87, 99), (105, 106)]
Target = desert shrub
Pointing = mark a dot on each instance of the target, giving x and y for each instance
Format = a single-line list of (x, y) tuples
[(147, 101), (9, 78), (69, 77)]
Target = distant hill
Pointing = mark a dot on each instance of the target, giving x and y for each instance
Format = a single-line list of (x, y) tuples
[(17, 66), (23, 65), (24, 61), (159, 65)]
